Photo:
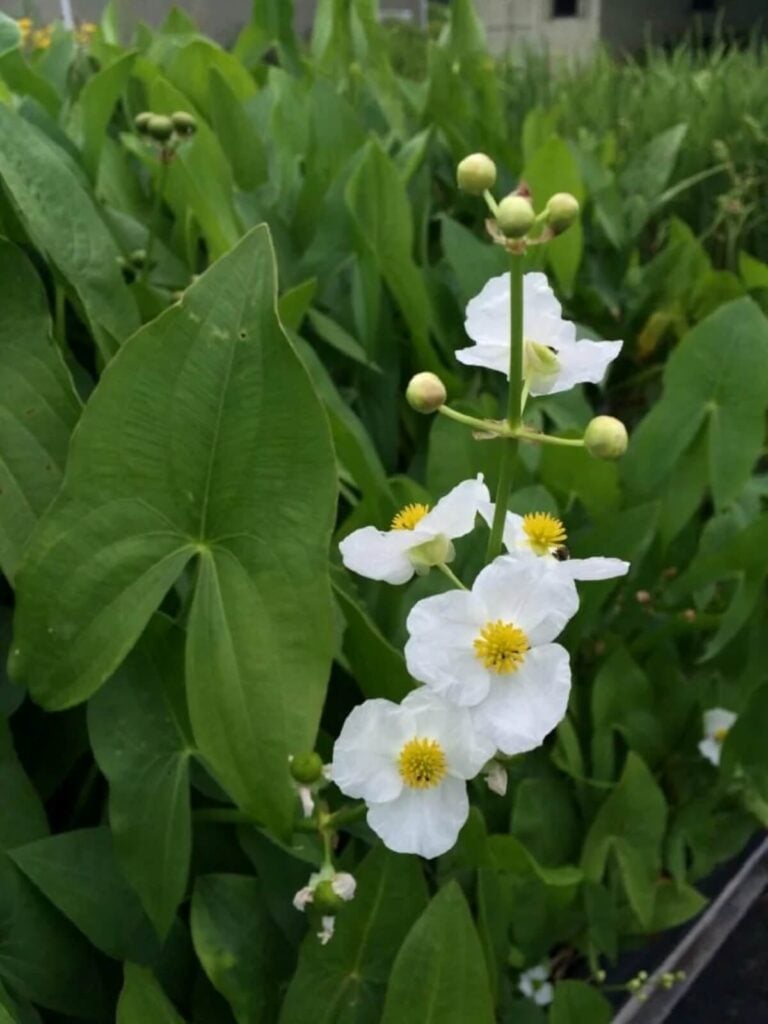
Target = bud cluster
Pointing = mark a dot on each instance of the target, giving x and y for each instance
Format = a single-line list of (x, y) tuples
[(166, 131)]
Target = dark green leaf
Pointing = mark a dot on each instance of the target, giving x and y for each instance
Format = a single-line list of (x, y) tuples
[(578, 1003), (142, 1000)]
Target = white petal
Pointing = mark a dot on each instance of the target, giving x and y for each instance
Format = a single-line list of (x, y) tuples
[(710, 749), (434, 718), (538, 973), (307, 801), (440, 651), (365, 754), (423, 821), (594, 568), (580, 363), (379, 554), (488, 318), (716, 719), (523, 707), (490, 357), (544, 994), (528, 592), (325, 936), (540, 302), (344, 885), (454, 515), (303, 897), (496, 778)]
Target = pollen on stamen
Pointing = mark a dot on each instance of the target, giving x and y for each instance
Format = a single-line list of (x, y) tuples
[(409, 516), (422, 763), (545, 533), (502, 647)]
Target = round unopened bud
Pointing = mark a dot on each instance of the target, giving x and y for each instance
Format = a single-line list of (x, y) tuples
[(476, 173), (606, 437), (307, 768), (325, 898), (515, 216), (425, 392), (138, 258), (562, 211), (184, 123), (160, 127), (141, 121)]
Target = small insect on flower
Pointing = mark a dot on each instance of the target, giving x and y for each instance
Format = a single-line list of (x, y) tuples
[(410, 763), (490, 649), (717, 724), (418, 537), (553, 360), (542, 535), (535, 985)]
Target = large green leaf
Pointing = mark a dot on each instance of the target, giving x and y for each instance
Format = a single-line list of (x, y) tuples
[(140, 737), (578, 1003), (38, 406), (439, 975), (630, 824), (343, 982), (22, 816), (717, 378), (191, 445), (378, 667), (77, 872), (63, 222), (95, 105), (142, 1000), (244, 955)]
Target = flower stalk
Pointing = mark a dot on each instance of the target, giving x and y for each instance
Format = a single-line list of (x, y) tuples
[(514, 404)]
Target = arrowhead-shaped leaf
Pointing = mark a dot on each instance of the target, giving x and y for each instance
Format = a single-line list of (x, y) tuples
[(203, 438)]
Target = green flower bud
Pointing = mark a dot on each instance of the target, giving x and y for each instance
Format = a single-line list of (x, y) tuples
[(606, 437), (437, 551), (515, 216), (476, 173), (307, 768), (425, 392), (562, 211), (325, 899), (160, 127), (141, 121), (138, 257), (184, 123)]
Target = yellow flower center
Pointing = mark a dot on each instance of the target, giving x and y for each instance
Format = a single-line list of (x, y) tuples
[(719, 735), (409, 516), (422, 763), (545, 533), (501, 647)]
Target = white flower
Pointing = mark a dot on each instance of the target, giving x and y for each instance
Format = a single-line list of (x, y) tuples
[(410, 763), (326, 932), (342, 884), (535, 984), (544, 536), (490, 649), (717, 723), (418, 537), (553, 359)]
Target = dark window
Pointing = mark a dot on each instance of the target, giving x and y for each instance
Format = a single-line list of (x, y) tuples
[(565, 8), (700, 6)]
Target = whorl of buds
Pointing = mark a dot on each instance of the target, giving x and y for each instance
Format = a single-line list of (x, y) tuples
[(183, 123), (476, 173), (159, 127), (562, 210), (606, 437), (425, 393), (515, 216), (306, 768)]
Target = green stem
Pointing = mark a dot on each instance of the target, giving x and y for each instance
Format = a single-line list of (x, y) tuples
[(514, 404), (346, 816), (451, 575), (493, 206), (532, 435), (487, 426), (154, 219)]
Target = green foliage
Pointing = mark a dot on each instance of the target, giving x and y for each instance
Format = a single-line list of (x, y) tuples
[(203, 352)]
